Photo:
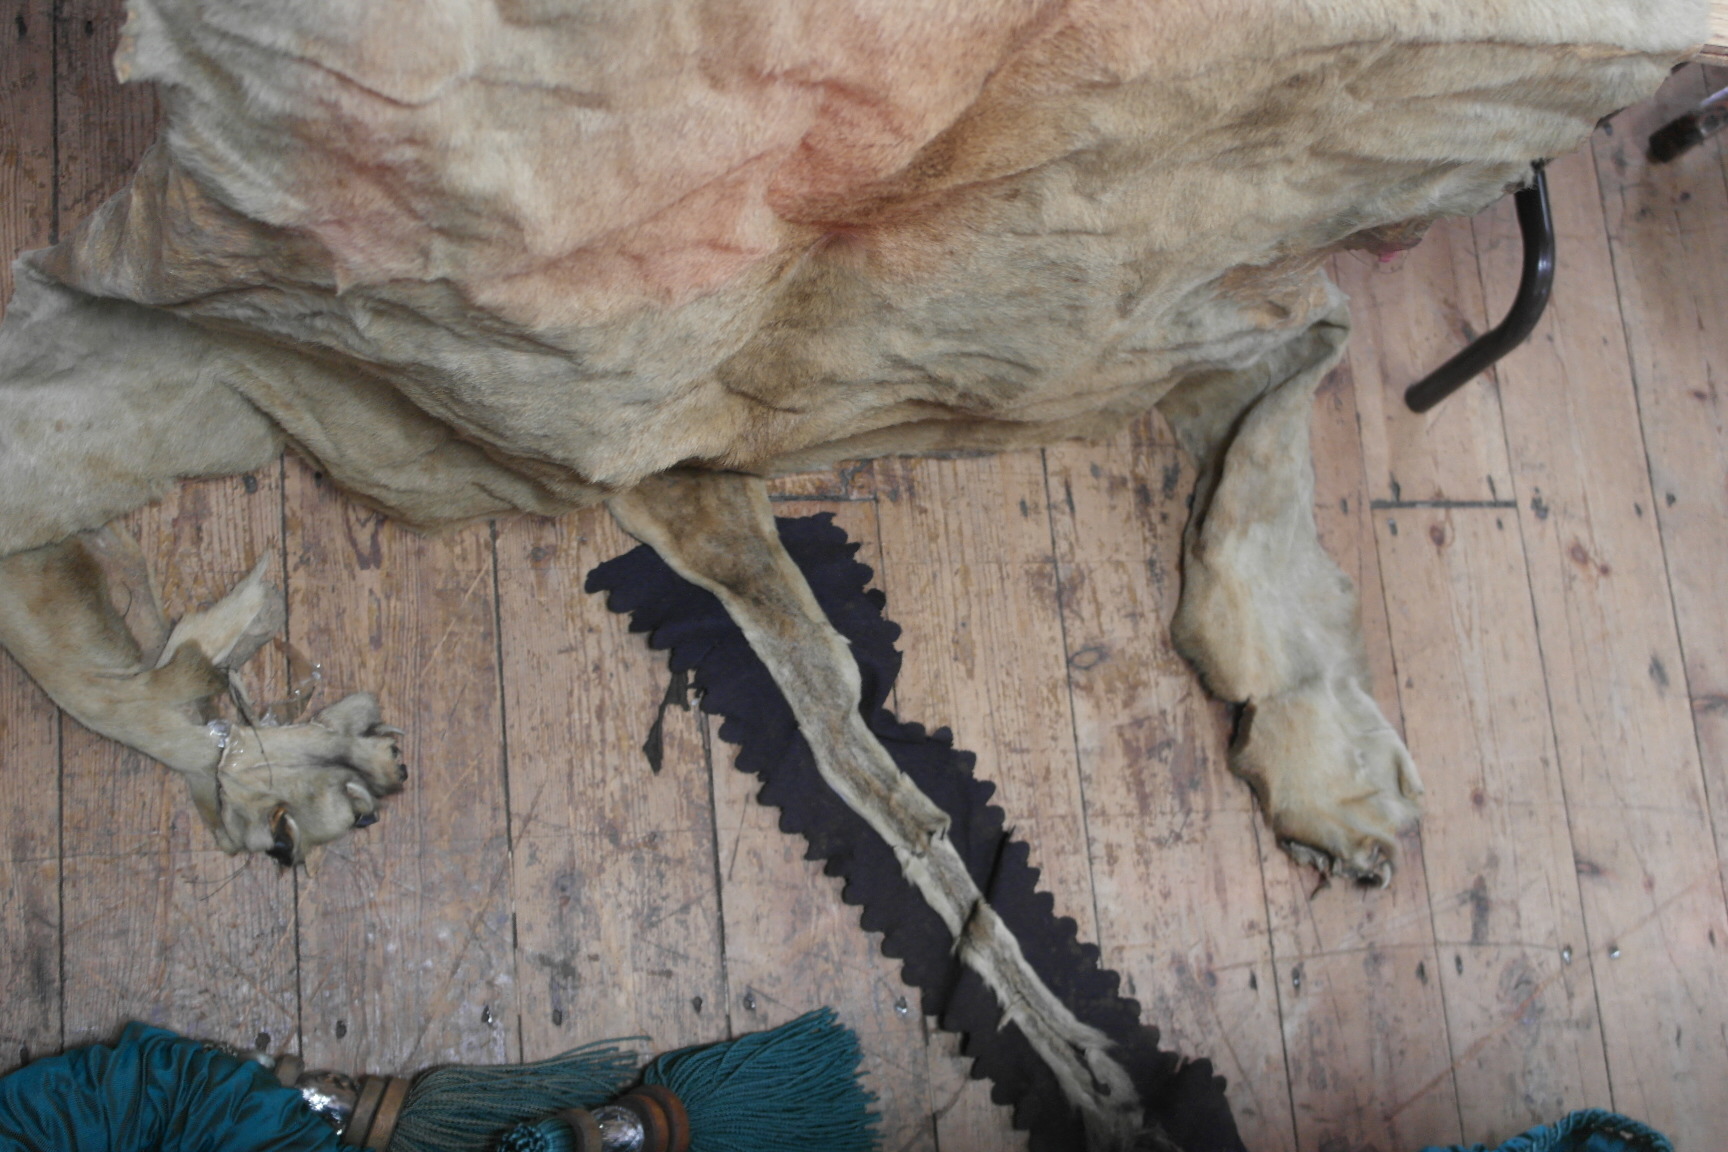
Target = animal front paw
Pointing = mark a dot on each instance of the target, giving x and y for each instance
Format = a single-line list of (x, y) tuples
[(1332, 775), (285, 789)]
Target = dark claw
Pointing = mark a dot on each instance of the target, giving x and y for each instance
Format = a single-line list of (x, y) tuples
[(366, 820), (282, 846)]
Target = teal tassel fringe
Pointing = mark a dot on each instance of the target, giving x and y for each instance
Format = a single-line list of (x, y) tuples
[(461, 1108), (551, 1135), (1589, 1130), (788, 1090), (791, 1089)]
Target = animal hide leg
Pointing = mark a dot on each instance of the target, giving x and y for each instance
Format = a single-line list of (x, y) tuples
[(104, 405), (717, 531), (277, 790), (58, 619), (1270, 622)]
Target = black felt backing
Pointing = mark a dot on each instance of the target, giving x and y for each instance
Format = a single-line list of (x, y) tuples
[(1183, 1097)]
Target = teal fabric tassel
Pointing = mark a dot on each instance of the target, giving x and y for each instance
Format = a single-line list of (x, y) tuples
[(791, 1089), (788, 1090), (464, 1108), (1591, 1130), (153, 1091)]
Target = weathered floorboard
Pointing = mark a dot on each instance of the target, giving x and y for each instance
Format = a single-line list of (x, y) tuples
[(160, 924), (26, 134), (1635, 792), (30, 869), (102, 126), (29, 726), (1360, 1011), (1176, 872), (405, 927), (1405, 324), (1664, 222), (618, 915), (1514, 972)]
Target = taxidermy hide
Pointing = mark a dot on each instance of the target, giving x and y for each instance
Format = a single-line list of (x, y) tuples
[(522, 255)]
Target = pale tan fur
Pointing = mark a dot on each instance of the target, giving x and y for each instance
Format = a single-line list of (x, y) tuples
[(530, 256), (273, 789), (1269, 621)]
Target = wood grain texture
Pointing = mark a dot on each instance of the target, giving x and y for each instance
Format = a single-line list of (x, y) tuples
[(29, 725), (1514, 972), (618, 914), (791, 945), (1661, 219), (26, 133), (102, 126), (1408, 317), (1363, 1019), (29, 869), (1636, 794), (1176, 872), (967, 559), (405, 928)]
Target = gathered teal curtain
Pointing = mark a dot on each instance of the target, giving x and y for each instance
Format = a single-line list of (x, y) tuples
[(153, 1091)]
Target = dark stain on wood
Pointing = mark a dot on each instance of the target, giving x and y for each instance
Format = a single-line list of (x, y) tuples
[(1089, 657), (364, 531), (1480, 905), (1580, 555)]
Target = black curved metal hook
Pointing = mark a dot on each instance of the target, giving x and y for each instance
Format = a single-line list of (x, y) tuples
[(1536, 223)]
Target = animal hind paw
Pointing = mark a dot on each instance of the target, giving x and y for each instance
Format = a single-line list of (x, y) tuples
[(285, 789), (1333, 776)]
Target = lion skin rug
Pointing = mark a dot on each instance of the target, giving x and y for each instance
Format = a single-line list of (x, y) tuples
[(474, 257)]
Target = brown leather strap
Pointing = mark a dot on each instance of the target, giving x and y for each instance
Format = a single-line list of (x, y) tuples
[(585, 1128), (366, 1107), (389, 1111), (677, 1119), (656, 1125)]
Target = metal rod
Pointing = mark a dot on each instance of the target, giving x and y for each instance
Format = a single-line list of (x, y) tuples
[(1536, 222), (1690, 130)]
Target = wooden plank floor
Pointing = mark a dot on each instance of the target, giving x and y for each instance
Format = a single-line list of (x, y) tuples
[(1540, 566)]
